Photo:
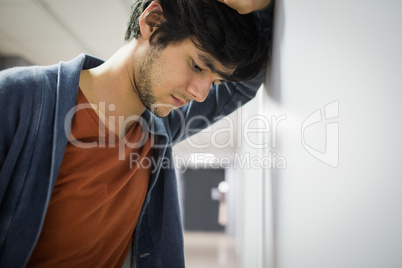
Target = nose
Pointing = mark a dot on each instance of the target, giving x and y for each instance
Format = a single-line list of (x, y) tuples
[(199, 88)]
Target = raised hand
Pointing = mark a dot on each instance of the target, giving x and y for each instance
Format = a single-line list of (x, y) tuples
[(246, 6)]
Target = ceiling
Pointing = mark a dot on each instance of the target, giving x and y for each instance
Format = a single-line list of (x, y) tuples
[(46, 31)]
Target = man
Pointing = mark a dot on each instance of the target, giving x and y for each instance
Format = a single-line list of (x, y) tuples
[(74, 186)]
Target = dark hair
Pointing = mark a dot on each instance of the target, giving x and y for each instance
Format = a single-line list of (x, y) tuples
[(231, 38)]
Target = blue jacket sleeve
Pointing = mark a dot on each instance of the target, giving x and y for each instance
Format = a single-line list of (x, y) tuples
[(263, 20)]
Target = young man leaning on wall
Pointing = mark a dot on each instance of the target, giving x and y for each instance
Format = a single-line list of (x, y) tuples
[(74, 191)]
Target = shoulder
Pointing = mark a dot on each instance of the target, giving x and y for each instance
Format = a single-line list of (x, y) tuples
[(18, 76), (17, 84), (23, 89), (24, 82)]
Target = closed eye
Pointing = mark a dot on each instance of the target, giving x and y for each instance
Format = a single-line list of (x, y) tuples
[(196, 67), (219, 82)]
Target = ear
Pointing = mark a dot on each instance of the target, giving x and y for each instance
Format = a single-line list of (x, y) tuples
[(150, 19)]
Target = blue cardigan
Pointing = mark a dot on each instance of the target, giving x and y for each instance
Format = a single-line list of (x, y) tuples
[(34, 104)]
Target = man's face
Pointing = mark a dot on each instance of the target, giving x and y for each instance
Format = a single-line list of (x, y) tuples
[(170, 78)]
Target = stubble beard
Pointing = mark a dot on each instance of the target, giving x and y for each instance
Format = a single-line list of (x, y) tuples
[(145, 81)]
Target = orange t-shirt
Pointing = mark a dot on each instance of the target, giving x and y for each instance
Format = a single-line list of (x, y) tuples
[(97, 199)]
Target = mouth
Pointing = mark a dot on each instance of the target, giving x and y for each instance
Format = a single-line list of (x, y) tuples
[(178, 102)]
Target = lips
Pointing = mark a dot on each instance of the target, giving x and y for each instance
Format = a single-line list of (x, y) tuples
[(178, 102)]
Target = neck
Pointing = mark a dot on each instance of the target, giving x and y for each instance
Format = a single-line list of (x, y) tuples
[(111, 85)]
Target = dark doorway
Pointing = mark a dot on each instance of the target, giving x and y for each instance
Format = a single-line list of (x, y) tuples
[(200, 210)]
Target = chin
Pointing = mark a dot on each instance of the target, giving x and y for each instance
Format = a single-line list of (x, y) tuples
[(161, 115), (161, 110)]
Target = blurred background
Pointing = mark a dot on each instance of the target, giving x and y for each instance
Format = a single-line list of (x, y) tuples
[(308, 174)]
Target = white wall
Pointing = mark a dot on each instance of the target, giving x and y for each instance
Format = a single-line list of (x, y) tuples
[(249, 181), (346, 212)]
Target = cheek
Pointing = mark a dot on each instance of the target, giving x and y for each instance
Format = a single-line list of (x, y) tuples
[(178, 76), (178, 69)]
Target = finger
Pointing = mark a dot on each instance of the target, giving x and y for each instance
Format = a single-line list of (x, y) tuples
[(234, 4)]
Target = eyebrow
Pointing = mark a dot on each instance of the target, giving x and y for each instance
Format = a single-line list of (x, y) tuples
[(207, 61)]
